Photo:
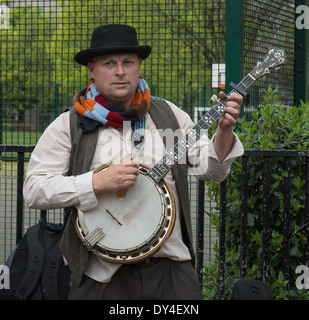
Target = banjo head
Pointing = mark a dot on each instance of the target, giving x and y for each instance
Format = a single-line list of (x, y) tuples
[(129, 226)]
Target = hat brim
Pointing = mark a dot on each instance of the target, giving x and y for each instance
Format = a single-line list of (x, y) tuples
[(85, 56)]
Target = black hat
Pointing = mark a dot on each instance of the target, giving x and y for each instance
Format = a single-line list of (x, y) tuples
[(112, 38)]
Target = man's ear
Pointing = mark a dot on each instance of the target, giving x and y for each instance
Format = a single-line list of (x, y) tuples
[(90, 68), (140, 64)]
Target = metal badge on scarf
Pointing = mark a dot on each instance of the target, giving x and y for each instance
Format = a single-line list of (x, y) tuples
[(138, 135)]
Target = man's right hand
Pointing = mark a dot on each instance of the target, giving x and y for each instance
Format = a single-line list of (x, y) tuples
[(115, 177)]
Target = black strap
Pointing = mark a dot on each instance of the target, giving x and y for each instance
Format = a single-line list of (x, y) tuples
[(35, 264), (241, 91), (164, 118), (50, 273)]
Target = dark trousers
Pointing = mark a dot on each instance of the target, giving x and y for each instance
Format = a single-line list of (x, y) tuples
[(159, 279)]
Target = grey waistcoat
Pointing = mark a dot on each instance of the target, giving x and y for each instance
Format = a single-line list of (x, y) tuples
[(82, 151)]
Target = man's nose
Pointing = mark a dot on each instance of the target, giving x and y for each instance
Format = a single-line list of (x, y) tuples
[(120, 70)]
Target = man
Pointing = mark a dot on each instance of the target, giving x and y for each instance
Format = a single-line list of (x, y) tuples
[(58, 177)]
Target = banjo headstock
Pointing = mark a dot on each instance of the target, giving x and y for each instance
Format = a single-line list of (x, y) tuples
[(274, 59)]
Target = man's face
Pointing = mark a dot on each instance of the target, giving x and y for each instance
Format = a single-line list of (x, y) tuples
[(116, 76)]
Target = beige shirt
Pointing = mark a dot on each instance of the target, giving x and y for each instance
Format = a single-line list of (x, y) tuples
[(47, 186)]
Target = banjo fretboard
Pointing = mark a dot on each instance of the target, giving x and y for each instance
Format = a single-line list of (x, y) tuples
[(159, 170)]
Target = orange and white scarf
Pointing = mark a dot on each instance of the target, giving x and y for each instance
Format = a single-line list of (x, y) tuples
[(91, 104)]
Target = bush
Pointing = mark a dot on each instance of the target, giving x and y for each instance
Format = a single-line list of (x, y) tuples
[(274, 126)]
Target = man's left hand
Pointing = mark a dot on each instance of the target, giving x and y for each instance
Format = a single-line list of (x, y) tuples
[(231, 111)]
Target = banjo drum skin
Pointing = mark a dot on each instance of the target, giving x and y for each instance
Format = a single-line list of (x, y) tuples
[(129, 226)]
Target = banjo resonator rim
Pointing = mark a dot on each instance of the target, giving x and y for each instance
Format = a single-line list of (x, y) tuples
[(149, 246)]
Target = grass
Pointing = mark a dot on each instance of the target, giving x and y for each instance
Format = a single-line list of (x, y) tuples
[(20, 138)]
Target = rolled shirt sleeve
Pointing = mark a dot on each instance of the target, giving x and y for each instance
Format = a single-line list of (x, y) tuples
[(209, 168)]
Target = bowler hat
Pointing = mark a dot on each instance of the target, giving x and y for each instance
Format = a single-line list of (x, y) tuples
[(112, 38)]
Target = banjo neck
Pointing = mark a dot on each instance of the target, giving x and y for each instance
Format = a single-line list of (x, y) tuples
[(161, 168), (274, 58)]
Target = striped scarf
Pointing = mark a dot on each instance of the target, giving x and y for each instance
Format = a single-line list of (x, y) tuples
[(90, 104)]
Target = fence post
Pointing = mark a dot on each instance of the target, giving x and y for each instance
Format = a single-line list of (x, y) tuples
[(234, 41), (300, 59), (200, 230), (266, 210), (57, 100), (286, 237), (244, 220), (20, 209), (307, 211), (1, 113), (222, 240)]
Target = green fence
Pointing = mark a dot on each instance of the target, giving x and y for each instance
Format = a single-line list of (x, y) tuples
[(39, 76), (253, 27), (199, 46)]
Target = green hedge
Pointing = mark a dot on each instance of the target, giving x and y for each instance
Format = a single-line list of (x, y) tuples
[(274, 126)]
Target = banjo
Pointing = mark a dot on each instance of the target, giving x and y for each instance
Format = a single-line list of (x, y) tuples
[(124, 231)]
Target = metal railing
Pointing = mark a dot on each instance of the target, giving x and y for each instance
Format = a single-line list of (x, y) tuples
[(266, 155), (20, 150)]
